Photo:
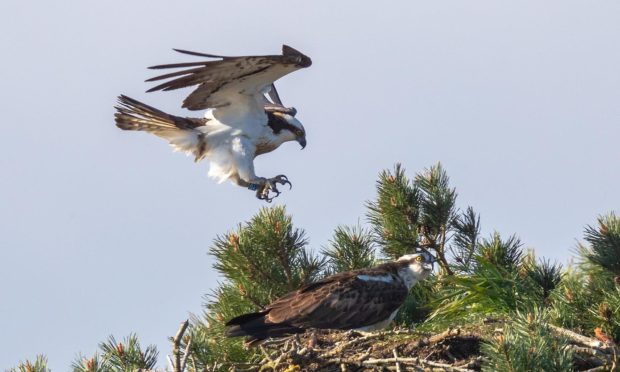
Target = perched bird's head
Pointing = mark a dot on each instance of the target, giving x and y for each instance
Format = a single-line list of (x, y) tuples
[(286, 127), (415, 267)]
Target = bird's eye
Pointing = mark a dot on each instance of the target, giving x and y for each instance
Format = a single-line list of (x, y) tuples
[(418, 259)]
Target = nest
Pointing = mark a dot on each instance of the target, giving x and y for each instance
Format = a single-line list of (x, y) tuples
[(398, 350), (407, 350)]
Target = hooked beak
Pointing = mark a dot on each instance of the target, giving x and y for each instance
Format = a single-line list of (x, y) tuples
[(302, 142), (427, 266)]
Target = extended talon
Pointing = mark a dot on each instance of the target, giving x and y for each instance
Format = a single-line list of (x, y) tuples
[(283, 180), (270, 185)]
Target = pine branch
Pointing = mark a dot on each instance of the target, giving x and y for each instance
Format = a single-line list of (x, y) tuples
[(604, 249), (395, 212), (351, 248), (465, 240)]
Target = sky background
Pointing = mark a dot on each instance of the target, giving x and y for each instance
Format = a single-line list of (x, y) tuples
[(106, 232)]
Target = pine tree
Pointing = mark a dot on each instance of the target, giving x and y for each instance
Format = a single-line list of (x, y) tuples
[(351, 248), (260, 261), (395, 213)]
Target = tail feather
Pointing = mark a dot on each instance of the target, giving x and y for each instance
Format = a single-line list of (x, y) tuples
[(135, 115), (257, 329), (180, 132)]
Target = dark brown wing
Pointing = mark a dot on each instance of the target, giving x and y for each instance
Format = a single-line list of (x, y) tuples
[(219, 82), (340, 302)]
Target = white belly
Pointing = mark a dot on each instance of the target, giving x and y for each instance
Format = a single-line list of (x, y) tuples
[(379, 325)]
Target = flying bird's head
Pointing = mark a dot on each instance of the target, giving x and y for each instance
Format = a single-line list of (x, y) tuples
[(286, 127), (415, 267)]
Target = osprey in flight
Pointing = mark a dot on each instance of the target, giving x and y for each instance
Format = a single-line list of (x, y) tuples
[(365, 300), (245, 116)]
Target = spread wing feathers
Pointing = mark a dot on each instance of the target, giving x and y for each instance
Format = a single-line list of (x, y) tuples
[(182, 133), (342, 301), (219, 81)]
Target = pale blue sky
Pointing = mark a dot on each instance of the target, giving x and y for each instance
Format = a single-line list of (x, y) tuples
[(106, 232)]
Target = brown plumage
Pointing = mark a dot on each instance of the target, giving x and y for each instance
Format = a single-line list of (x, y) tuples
[(351, 300), (135, 115), (229, 73)]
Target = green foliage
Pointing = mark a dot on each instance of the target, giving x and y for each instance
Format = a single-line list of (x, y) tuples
[(466, 228), (491, 290), (209, 347), (604, 249), (527, 345), (505, 254), (266, 257), (84, 364), (437, 204), (115, 356), (394, 214), (571, 301), (438, 212), (502, 279), (587, 299), (479, 278), (351, 248), (545, 277), (494, 286), (39, 365), (606, 314), (262, 260), (408, 215)]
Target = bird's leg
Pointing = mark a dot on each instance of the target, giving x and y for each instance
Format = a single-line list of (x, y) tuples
[(265, 186), (243, 155), (246, 177)]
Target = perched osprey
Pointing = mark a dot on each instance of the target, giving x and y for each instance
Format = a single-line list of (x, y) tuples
[(240, 123), (364, 300)]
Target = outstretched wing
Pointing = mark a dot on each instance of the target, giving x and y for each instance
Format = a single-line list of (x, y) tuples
[(221, 82), (343, 301)]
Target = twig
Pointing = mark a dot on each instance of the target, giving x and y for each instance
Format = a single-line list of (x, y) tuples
[(186, 354), (591, 342), (598, 369), (435, 339), (396, 361), (177, 366), (443, 335), (474, 363), (277, 341), (170, 362), (414, 361), (345, 345), (591, 352), (267, 356)]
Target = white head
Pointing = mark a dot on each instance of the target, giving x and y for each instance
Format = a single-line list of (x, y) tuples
[(415, 267), (286, 127)]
